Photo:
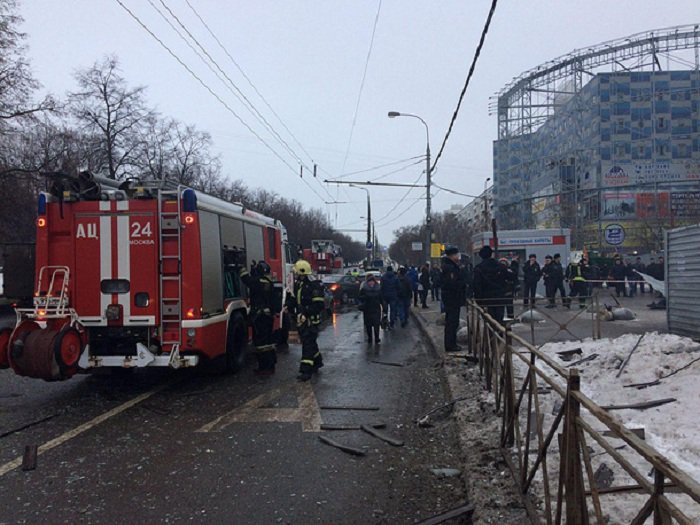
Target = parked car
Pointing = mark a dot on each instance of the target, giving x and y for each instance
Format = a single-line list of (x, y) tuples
[(345, 288)]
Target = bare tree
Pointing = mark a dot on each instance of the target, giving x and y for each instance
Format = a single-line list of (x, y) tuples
[(106, 107), (17, 84)]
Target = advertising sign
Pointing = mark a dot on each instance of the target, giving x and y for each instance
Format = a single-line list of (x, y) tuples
[(618, 205), (686, 204), (652, 205), (614, 234), (416, 246)]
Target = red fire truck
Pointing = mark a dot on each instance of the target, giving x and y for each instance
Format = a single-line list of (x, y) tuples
[(323, 254), (139, 274)]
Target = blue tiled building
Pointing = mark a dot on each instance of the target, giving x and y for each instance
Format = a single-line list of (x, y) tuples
[(617, 162)]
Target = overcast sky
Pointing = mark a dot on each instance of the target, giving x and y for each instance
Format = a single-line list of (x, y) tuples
[(307, 59)]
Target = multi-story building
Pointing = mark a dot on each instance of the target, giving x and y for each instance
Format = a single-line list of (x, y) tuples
[(617, 159)]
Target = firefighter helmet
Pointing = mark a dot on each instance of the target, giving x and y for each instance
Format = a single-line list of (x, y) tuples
[(302, 267), (263, 268)]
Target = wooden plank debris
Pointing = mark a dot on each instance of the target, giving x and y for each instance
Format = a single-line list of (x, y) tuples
[(627, 359), (347, 407), (329, 426), (388, 363), (585, 359), (641, 406), (345, 448), (29, 458), (381, 435), (467, 509), (639, 432), (640, 386), (568, 355)]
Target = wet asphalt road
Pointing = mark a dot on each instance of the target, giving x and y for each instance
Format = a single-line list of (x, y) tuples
[(259, 462)]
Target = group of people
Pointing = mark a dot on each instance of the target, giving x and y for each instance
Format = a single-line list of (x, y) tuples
[(391, 298), (304, 304)]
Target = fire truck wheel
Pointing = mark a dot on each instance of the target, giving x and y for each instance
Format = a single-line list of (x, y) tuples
[(4, 347), (67, 348), (236, 342)]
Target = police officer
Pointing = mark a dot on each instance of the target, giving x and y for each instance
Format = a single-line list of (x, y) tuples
[(263, 307), (454, 291), (308, 304)]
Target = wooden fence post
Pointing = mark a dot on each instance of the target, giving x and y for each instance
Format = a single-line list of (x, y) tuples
[(572, 471), (508, 433)]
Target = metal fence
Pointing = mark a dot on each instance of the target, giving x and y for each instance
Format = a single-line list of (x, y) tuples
[(556, 477)]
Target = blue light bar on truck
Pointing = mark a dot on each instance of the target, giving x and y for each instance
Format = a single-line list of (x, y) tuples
[(41, 204), (189, 200)]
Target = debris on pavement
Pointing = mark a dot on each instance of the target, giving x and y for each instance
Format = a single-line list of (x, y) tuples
[(29, 458), (640, 406), (329, 426), (467, 509), (446, 472), (381, 435), (345, 448)]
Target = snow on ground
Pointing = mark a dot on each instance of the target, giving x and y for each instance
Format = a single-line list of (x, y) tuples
[(673, 429)]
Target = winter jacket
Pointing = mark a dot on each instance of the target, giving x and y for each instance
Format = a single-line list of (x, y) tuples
[(390, 286), (412, 275), (491, 281), (452, 283), (370, 299), (424, 279), (532, 272), (618, 272), (435, 276), (405, 288)]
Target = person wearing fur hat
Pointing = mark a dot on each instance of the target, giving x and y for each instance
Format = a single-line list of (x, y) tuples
[(454, 293)]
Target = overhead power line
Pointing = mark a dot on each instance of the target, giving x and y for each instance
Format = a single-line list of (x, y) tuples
[(213, 93), (240, 70), (378, 167), (228, 82), (456, 192), (466, 84), (405, 195), (362, 85)]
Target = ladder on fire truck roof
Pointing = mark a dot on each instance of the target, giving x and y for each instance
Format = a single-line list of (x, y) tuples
[(170, 256)]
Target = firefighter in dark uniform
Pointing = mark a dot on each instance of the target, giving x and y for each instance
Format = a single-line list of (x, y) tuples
[(263, 308), (308, 303)]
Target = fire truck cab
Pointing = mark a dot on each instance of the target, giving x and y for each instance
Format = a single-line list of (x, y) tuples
[(139, 274)]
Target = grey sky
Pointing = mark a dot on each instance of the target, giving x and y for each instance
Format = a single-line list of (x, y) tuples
[(307, 59)]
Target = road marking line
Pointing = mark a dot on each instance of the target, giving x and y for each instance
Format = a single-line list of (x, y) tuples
[(60, 440), (254, 411)]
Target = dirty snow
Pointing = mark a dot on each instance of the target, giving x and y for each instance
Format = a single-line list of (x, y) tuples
[(673, 429)]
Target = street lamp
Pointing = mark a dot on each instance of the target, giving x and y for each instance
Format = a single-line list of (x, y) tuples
[(368, 245), (428, 226)]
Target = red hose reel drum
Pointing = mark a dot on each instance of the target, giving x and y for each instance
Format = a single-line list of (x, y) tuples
[(5, 335), (47, 354)]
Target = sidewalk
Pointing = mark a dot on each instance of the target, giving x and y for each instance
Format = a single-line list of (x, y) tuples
[(489, 483)]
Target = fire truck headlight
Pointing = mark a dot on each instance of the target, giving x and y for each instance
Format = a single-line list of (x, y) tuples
[(191, 332), (113, 312), (41, 222)]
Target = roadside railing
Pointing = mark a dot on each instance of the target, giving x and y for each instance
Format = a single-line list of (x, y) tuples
[(568, 479)]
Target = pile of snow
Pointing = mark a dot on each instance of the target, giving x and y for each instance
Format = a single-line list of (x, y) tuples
[(672, 429)]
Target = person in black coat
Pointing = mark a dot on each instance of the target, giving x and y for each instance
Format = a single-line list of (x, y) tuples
[(405, 294), (531, 276), (424, 282), (509, 291), (618, 274), (453, 295), (491, 281), (435, 282), (558, 273), (370, 299)]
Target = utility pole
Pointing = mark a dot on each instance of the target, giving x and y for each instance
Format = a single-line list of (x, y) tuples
[(428, 225)]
